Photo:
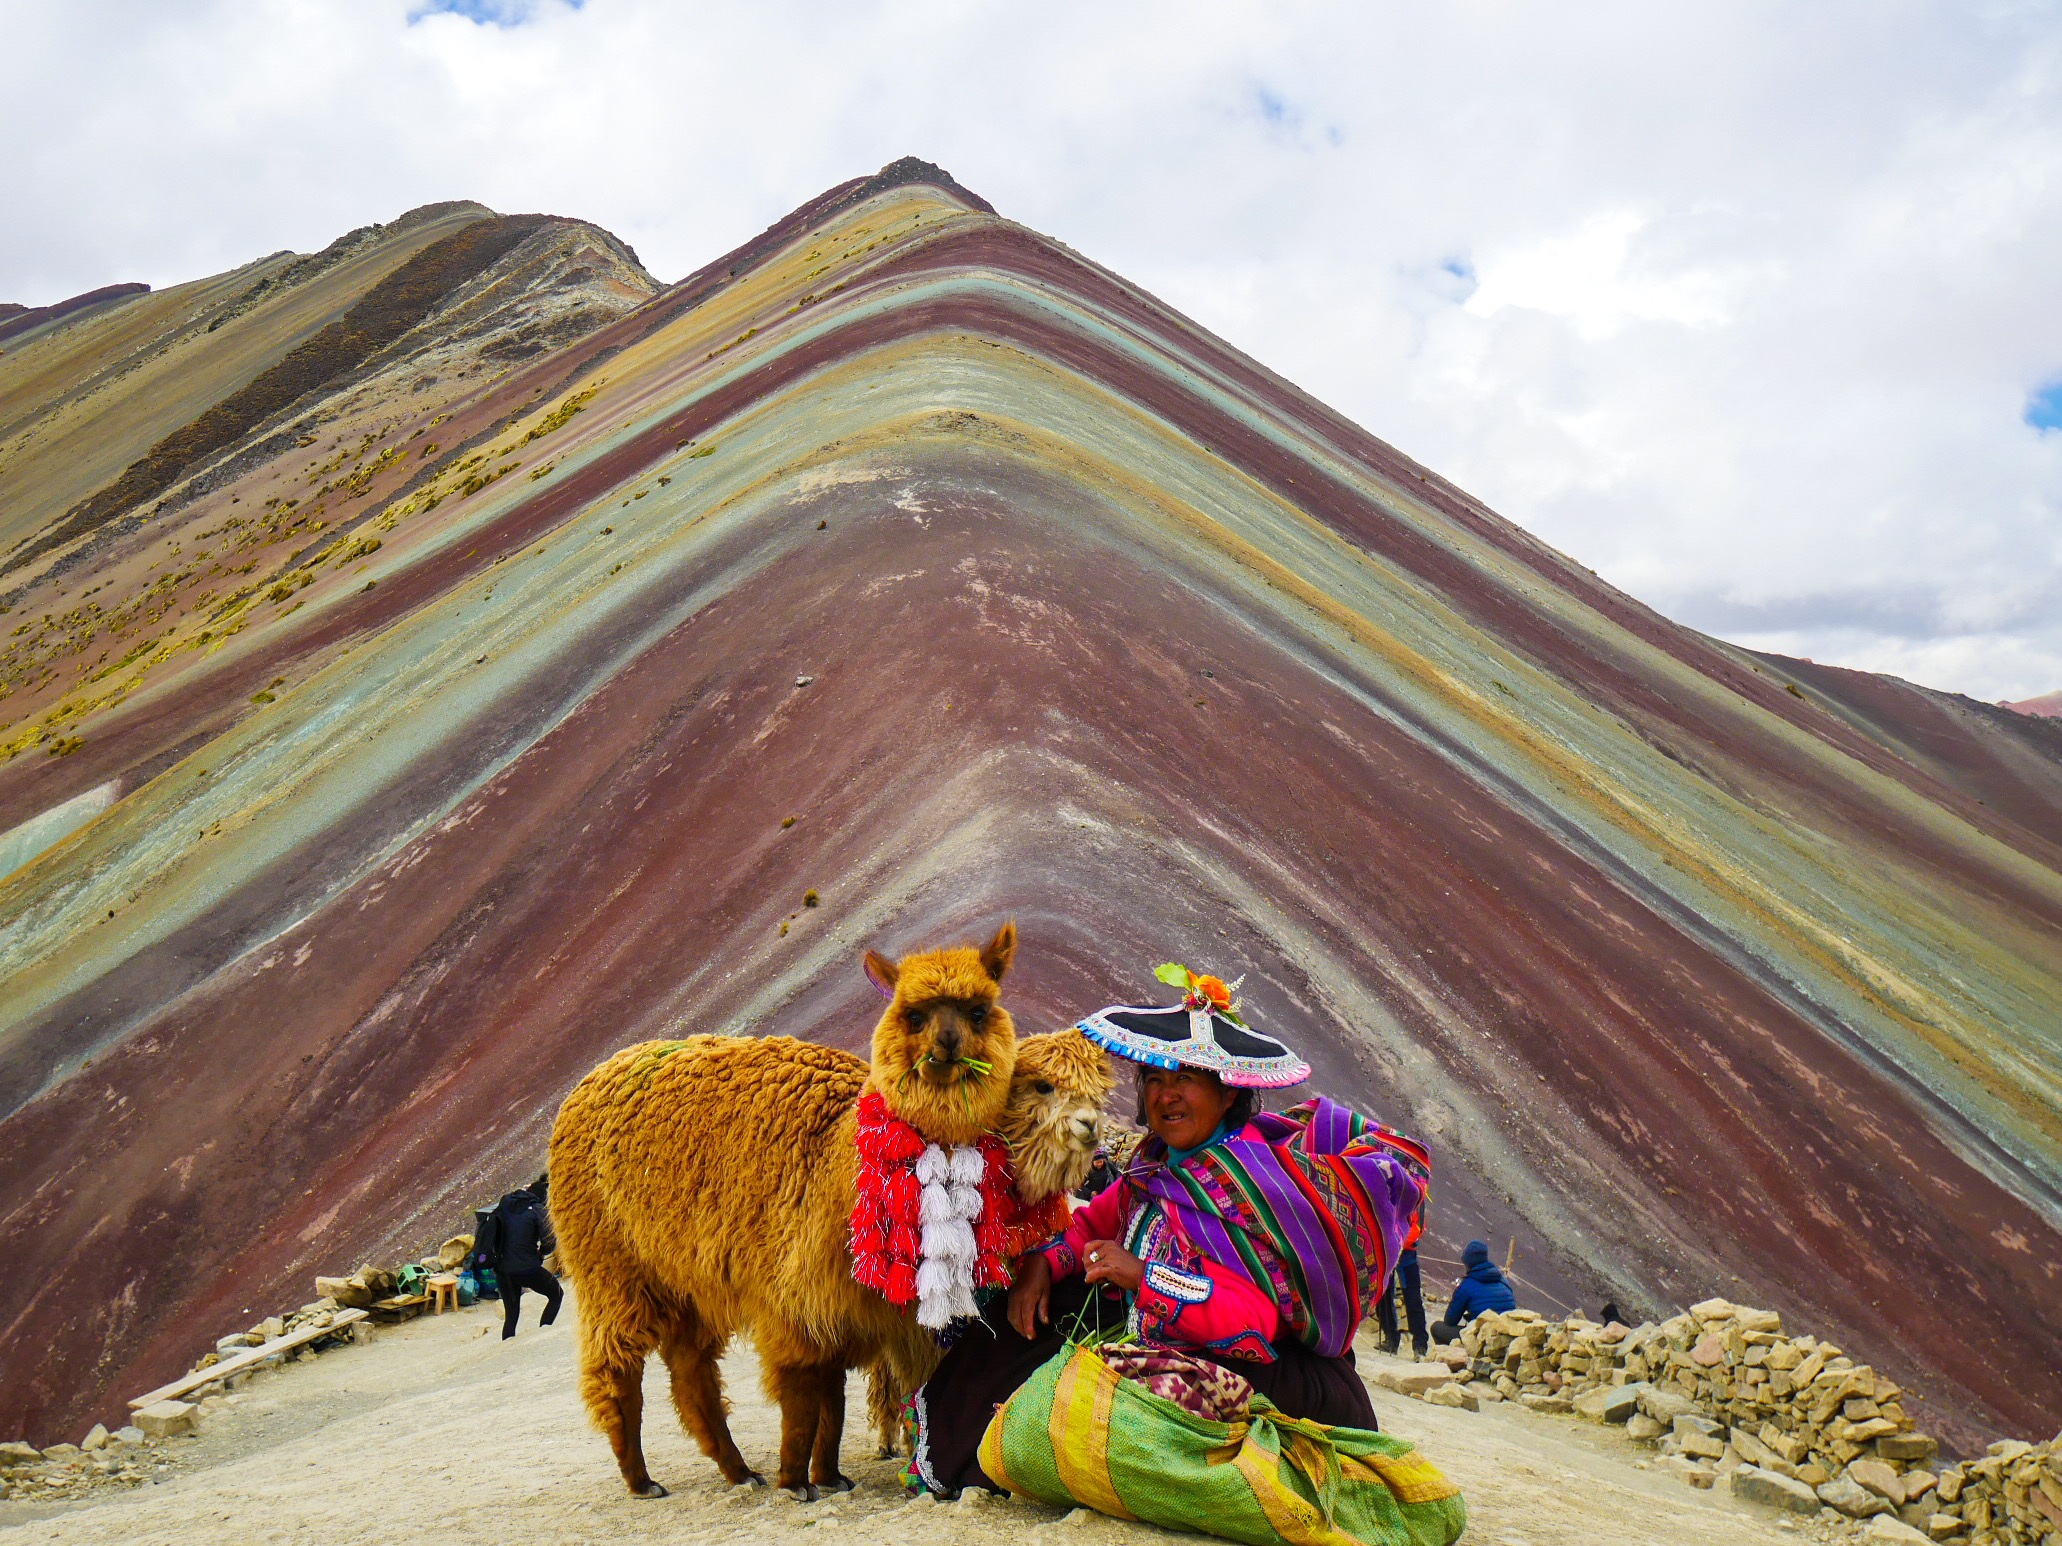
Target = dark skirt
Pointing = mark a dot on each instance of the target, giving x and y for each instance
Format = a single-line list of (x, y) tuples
[(989, 1361)]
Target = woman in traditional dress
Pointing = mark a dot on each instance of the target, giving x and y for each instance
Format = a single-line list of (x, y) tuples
[(1248, 1240)]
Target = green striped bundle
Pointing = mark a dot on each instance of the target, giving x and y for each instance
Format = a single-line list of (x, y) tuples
[(1077, 1432)]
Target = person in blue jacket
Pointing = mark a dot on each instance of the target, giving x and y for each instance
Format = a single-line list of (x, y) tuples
[(1482, 1288)]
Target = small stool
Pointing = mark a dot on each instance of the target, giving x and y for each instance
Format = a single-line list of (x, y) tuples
[(443, 1291)]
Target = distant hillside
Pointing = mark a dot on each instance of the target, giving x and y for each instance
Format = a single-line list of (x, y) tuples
[(418, 649), (2047, 706)]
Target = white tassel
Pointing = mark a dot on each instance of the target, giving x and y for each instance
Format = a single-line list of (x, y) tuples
[(951, 1242), (950, 1202), (934, 1295), (963, 1298)]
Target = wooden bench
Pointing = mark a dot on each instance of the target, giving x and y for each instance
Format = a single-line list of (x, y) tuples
[(237, 1363), (396, 1308)]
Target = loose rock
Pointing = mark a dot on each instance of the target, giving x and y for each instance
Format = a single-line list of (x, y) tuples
[(1886, 1527), (1415, 1381), (1851, 1498), (1880, 1479), (1752, 1484), (167, 1419), (1699, 1476)]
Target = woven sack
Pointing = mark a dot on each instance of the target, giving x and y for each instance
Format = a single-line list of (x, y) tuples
[(1077, 1432)]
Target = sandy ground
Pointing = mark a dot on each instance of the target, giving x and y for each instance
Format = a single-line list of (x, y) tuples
[(439, 1431)]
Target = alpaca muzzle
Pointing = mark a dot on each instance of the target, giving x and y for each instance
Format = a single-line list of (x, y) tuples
[(1085, 1129)]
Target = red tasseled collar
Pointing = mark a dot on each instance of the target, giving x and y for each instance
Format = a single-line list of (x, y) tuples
[(887, 1233)]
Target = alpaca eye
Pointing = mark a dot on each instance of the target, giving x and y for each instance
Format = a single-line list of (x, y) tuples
[(978, 1014), (913, 1018), (1042, 1087)]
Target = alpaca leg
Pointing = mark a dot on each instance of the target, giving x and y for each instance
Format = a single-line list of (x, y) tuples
[(830, 1432), (884, 1410), (698, 1397), (615, 1399), (891, 1381), (799, 1390), (617, 1334)]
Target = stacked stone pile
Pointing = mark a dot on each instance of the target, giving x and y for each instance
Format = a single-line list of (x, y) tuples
[(1723, 1393), (2013, 1493)]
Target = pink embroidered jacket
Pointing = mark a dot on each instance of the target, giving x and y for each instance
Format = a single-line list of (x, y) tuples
[(1184, 1297)]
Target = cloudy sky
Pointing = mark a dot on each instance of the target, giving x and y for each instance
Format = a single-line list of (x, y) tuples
[(1754, 307)]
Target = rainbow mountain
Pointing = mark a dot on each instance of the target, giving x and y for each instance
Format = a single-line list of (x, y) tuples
[(435, 662)]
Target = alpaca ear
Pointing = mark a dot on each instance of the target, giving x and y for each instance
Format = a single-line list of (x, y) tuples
[(997, 954), (880, 971)]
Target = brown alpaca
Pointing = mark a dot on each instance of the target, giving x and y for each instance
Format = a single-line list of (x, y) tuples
[(704, 1187), (1052, 1124)]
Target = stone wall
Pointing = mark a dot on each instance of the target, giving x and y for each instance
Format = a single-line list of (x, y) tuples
[(1724, 1393)]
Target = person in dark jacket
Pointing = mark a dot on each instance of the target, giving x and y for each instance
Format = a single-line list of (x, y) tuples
[(523, 1238), (1410, 1283), (1102, 1175), (1481, 1289)]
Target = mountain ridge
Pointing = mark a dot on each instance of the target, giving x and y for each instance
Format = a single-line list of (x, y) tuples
[(1701, 970)]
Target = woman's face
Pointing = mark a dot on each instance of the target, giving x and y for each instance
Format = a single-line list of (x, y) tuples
[(1184, 1105)]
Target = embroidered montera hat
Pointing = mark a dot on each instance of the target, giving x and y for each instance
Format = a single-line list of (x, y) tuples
[(1205, 1030)]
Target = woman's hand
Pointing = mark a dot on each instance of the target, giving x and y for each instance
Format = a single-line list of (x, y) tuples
[(1105, 1261), (1031, 1296)]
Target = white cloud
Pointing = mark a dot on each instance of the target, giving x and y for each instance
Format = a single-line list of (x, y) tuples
[(1742, 305)]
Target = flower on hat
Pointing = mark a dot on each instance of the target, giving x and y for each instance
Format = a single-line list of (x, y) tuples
[(1201, 991)]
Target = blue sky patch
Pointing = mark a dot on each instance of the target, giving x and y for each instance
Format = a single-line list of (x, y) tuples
[(2044, 408), (486, 13)]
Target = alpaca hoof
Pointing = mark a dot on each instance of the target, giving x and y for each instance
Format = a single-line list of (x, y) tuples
[(887, 1452), (649, 1490), (837, 1483), (804, 1493)]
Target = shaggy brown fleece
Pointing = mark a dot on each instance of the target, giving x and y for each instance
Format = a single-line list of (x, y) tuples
[(704, 1187)]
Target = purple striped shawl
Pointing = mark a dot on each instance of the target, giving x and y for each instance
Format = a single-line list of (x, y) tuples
[(1308, 1205)]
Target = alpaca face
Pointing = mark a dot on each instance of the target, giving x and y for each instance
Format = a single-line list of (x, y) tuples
[(1055, 1115), (944, 1049)]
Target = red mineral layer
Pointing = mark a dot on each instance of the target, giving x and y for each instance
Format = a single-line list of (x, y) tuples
[(1010, 716)]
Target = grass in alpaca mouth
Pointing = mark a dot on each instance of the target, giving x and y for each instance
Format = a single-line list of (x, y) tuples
[(981, 1068)]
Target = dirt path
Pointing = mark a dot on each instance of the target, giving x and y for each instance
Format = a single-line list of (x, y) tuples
[(440, 1431)]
